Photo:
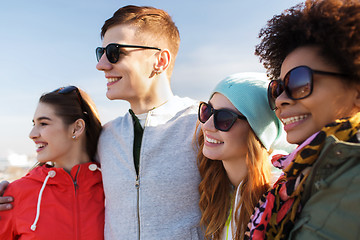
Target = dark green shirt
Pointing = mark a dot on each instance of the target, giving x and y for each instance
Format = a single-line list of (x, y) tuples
[(138, 134)]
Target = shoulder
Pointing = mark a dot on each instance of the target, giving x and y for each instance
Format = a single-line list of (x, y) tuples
[(331, 192), (117, 120), (20, 188), (182, 106), (34, 177), (116, 123), (185, 102)]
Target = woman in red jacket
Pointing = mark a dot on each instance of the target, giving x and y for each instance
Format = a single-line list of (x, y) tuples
[(65, 200)]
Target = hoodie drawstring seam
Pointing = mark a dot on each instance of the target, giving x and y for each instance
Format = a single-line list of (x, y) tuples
[(50, 174)]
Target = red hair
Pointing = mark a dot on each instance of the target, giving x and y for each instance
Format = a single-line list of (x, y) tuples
[(215, 188)]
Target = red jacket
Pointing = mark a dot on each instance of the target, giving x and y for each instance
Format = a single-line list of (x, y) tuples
[(71, 205)]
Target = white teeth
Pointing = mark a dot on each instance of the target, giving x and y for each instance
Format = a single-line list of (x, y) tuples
[(40, 145), (293, 119), (110, 80), (210, 140)]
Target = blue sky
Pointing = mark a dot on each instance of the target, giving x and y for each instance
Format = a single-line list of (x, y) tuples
[(51, 43)]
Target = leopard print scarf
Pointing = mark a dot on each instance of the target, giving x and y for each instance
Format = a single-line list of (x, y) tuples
[(276, 213)]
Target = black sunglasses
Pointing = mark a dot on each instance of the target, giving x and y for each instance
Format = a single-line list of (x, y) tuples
[(69, 89), (223, 119), (297, 84), (114, 50)]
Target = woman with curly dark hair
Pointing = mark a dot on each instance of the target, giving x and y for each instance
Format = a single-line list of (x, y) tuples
[(313, 49)]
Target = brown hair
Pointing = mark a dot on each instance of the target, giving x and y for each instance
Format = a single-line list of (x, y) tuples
[(216, 191), (68, 108), (152, 21), (332, 25)]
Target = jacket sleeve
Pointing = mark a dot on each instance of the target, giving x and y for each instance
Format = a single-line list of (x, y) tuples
[(7, 219)]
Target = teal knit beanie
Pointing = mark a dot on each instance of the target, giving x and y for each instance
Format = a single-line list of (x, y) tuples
[(248, 93)]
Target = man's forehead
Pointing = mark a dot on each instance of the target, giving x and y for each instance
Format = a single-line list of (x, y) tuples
[(122, 34)]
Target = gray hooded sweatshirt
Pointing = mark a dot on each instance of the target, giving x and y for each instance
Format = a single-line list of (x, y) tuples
[(162, 201)]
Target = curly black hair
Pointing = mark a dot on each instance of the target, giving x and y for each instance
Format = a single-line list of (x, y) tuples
[(332, 25)]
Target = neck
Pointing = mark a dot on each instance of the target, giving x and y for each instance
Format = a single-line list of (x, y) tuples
[(236, 170), (75, 156), (155, 97)]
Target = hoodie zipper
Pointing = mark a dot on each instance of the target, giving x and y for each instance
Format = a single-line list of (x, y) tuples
[(76, 186), (137, 181), (76, 216), (137, 186)]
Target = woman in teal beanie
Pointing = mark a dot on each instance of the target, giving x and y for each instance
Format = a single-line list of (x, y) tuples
[(238, 132)]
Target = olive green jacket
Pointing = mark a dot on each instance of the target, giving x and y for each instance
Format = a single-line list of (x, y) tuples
[(331, 198)]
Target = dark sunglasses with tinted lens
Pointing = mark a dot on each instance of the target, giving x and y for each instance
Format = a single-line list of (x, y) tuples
[(297, 84), (69, 89), (223, 118), (114, 50)]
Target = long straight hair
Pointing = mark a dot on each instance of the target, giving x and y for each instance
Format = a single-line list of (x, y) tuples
[(217, 194)]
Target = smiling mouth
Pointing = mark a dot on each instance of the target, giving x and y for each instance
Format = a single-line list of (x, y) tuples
[(210, 140), (40, 146), (112, 80), (294, 119)]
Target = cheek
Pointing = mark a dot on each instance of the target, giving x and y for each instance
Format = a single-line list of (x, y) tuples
[(239, 137), (277, 113), (330, 102), (324, 112), (59, 136)]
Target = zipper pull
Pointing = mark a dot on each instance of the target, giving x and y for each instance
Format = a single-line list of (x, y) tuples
[(76, 185), (75, 180), (137, 182)]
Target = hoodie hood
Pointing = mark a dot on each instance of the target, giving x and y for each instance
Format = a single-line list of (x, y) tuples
[(57, 176), (40, 173)]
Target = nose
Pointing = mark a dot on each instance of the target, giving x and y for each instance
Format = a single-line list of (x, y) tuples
[(34, 133), (104, 64), (209, 124), (283, 100)]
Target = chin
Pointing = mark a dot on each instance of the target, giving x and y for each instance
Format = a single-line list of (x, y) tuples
[(42, 161), (295, 140), (210, 156), (111, 95), (206, 154), (110, 98)]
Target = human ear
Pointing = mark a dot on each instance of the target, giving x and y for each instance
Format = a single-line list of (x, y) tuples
[(162, 61), (78, 128)]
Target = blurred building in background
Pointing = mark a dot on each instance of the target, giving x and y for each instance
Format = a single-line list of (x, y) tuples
[(15, 166)]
